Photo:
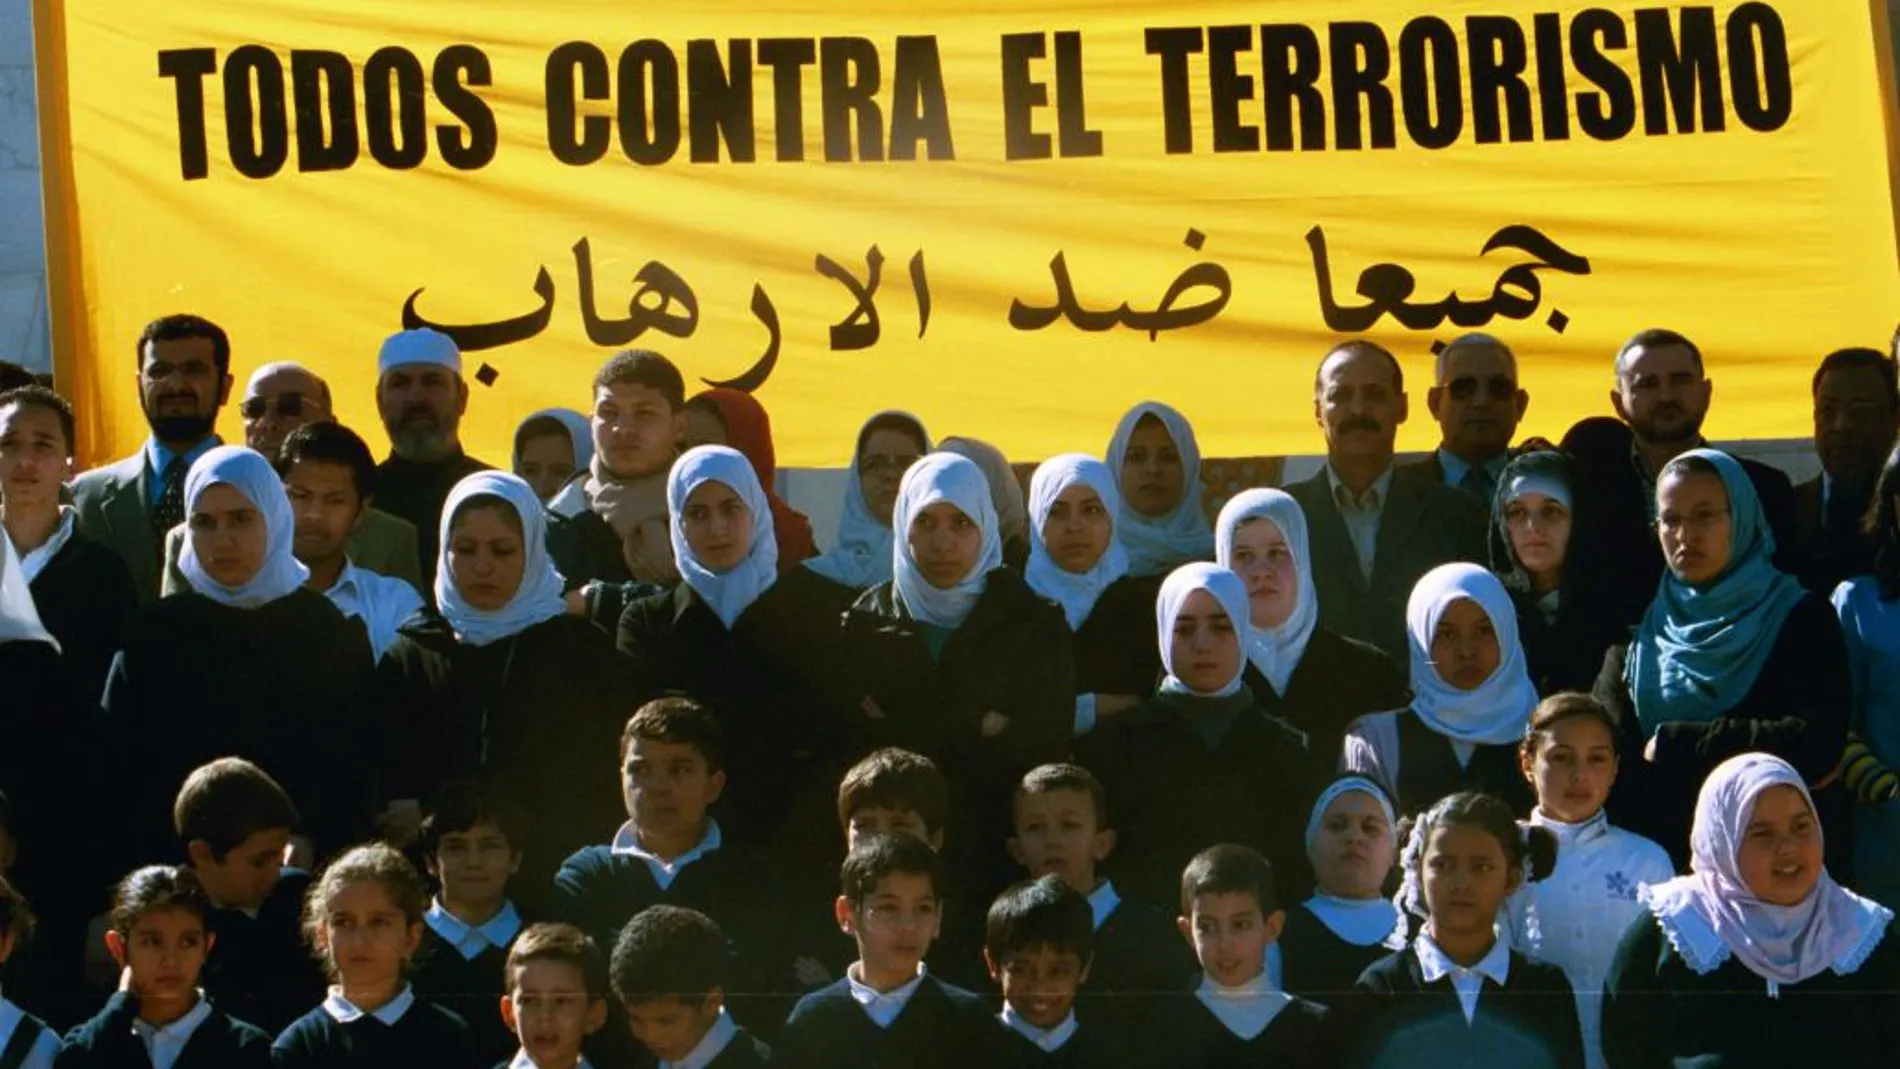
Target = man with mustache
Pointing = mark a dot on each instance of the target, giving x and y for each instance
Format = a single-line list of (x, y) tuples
[(1375, 529), (1477, 402), (1856, 418), (184, 378), (421, 397)]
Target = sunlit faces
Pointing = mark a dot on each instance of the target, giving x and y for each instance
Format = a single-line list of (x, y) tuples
[(1780, 854), (1058, 833), (277, 403), (717, 525), (945, 543), (1695, 525), (1230, 936), (473, 867), (871, 820), (1466, 878), (421, 406), (1264, 561), (1355, 847), (1358, 403), (486, 558), (1152, 475), (546, 462), (1572, 767), (245, 876), (180, 387), (35, 457), (367, 939), (887, 454), (1205, 648), (636, 431), (1465, 648), (1078, 530), (164, 954), (894, 927), (1854, 423), (1539, 526), (228, 534), (324, 501), (1479, 405), (670, 1028), (1661, 394), (550, 1010), (1039, 982), (668, 786)]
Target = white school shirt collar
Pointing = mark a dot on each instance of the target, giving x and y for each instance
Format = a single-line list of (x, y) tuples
[(1434, 966), (344, 1011), (521, 1060), (1047, 1040), (882, 1006), (34, 562), (164, 1043), (1247, 1010), (469, 940), (627, 844), (711, 1045), (382, 602), (1103, 902)]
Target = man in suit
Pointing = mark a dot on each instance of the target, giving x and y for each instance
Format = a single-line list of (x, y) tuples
[(1856, 418), (1375, 530), (421, 396), (184, 378), (1478, 404)]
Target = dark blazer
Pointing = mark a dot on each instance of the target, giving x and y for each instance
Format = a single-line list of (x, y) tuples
[(1424, 525), (107, 1041), (1337, 681), (382, 543), (112, 510), (1827, 558), (1395, 1018)]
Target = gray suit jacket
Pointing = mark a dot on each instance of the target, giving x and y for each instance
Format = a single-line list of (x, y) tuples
[(381, 543), (113, 512), (1425, 524)]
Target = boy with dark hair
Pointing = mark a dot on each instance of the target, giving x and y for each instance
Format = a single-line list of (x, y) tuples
[(1063, 829), (669, 976), (672, 852), (1038, 943), (469, 845), (235, 823), (638, 420), (892, 792), (555, 984), (889, 1010)]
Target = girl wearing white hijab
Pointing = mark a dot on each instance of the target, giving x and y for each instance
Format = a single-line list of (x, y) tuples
[(888, 444), (551, 447), (1158, 465), (1318, 680), (1350, 922), (1199, 763), (504, 684), (250, 663), (1757, 957), (1471, 698)]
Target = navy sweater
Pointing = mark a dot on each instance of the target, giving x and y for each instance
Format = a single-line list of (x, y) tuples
[(260, 970), (1185, 1034), (941, 1027), (426, 1035), (107, 1041)]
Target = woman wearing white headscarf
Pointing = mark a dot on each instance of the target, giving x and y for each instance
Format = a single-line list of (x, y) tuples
[(1199, 763), (1157, 464), (1757, 957), (1316, 679), (503, 684), (250, 664), (1471, 698), (888, 444), (551, 447)]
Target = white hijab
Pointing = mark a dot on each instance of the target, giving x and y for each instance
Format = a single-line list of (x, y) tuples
[(1276, 651), (943, 477), (19, 616), (580, 431), (1076, 592), (731, 592), (1496, 712), (1361, 922), (538, 599), (1711, 914), (1232, 595), (1155, 546), (862, 557), (247, 472)]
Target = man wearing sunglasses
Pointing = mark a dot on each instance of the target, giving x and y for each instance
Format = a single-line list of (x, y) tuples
[(1477, 403)]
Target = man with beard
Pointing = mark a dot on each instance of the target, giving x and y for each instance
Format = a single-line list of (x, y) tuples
[(1662, 396), (1856, 417), (1374, 529), (1477, 403), (421, 396), (184, 378)]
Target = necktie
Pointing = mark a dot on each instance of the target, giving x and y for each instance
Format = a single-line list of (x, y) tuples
[(1478, 481), (170, 510)]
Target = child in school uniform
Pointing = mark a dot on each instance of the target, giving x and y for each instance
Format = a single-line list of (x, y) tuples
[(1038, 943), (1459, 995), (1063, 829), (161, 1019), (1235, 1016), (1348, 923), (235, 824), (365, 923), (889, 1010), (1575, 918), (669, 978), (25, 1041), (470, 845), (556, 983)]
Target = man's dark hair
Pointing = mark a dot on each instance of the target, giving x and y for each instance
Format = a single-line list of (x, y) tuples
[(463, 804), (227, 802), (330, 443), (678, 720), (13, 376), (40, 397), (182, 326), (879, 857), (1398, 372), (1842, 359), (1656, 338), (668, 952), (644, 367), (1040, 913)]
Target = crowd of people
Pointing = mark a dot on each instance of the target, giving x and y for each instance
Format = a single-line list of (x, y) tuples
[(1526, 754)]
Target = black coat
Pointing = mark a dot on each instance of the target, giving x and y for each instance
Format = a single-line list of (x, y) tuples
[(1567, 654), (1318, 965), (1115, 648), (107, 1041), (260, 969), (585, 549), (941, 1027), (86, 598), (1337, 681), (1396, 1019), (416, 491), (1185, 1034)]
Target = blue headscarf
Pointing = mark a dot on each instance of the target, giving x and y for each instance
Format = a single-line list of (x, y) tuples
[(1700, 649)]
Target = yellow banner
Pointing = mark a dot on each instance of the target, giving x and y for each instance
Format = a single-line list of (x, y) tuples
[(1013, 220)]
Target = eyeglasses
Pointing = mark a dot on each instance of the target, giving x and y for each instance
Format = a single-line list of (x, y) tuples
[(287, 404), (875, 464), (1695, 521), (1499, 387)]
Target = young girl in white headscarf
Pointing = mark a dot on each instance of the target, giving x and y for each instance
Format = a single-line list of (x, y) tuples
[(860, 557), (1157, 464), (1471, 698), (1757, 957)]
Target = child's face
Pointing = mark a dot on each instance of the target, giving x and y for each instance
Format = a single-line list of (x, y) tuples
[(1354, 849), (165, 951), (550, 1011), (889, 820), (1039, 982), (1573, 768), (895, 924), (668, 787), (246, 875), (474, 865), (367, 936), (1056, 834), (1231, 936), (1204, 651), (1780, 855), (1466, 879), (671, 1027)]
